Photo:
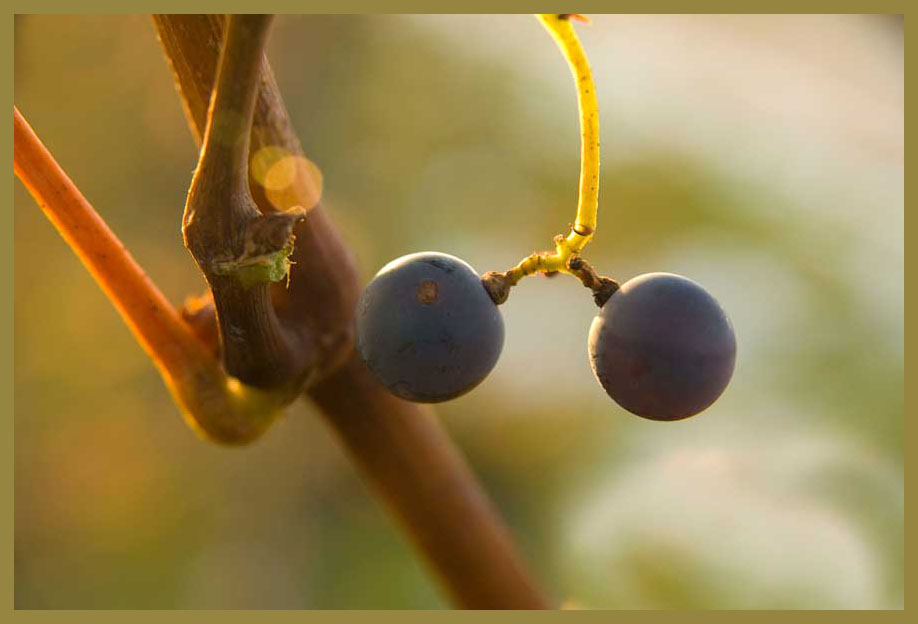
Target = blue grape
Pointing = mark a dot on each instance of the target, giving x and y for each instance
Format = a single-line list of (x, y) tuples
[(662, 347), (427, 328)]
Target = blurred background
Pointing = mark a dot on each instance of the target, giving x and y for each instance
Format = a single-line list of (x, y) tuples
[(762, 156)]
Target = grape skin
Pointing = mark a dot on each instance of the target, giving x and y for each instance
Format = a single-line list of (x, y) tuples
[(662, 347), (427, 328)]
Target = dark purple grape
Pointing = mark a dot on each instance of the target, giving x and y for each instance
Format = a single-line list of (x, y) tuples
[(662, 347), (427, 328)]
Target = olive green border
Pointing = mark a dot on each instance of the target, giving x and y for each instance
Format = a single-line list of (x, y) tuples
[(369, 6)]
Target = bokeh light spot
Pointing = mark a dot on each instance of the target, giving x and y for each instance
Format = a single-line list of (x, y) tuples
[(287, 179)]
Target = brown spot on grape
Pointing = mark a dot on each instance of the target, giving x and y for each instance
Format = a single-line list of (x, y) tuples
[(428, 291)]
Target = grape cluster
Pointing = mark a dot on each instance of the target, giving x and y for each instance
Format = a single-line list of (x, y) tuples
[(428, 329), (661, 346)]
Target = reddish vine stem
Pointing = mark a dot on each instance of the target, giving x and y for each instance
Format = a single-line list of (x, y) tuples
[(214, 405), (403, 452)]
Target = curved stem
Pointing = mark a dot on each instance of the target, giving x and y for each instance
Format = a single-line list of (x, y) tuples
[(567, 247), (215, 405), (561, 29)]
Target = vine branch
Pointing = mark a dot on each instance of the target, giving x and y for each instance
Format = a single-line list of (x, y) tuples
[(323, 285), (403, 452), (239, 250), (401, 449), (215, 405)]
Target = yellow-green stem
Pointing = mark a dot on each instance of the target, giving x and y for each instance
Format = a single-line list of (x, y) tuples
[(560, 28)]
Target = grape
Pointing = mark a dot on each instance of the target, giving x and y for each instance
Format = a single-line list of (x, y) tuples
[(662, 347), (427, 328)]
